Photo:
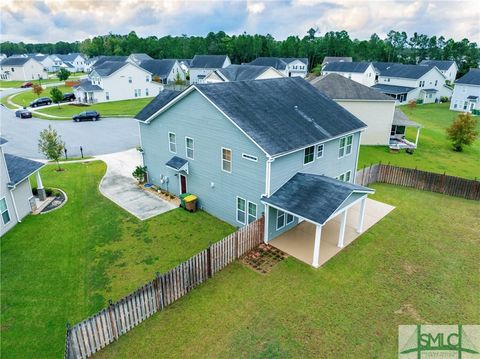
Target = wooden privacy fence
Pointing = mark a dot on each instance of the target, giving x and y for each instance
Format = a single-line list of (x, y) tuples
[(426, 181), (94, 333)]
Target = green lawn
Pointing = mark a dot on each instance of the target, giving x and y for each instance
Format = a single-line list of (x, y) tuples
[(106, 109), (67, 264), (24, 98), (14, 84), (434, 152), (418, 265)]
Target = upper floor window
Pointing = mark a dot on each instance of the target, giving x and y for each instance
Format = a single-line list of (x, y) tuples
[(4, 211), (320, 151), (147, 78), (422, 83), (309, 155), (172, 142), (129, 79), (436, 82), (189, 147), (226, 160), (345, 148)]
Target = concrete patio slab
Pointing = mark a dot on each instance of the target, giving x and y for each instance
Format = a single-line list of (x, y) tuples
[(119, 186), (299, 241)]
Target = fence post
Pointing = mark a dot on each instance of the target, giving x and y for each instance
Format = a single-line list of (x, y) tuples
[(67, 341), (209, 261), (113, 317), (157, 286), (363, 175), (236, 247)]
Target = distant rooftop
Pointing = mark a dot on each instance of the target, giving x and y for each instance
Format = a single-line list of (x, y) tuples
[(440, 64), (472, 77), (208, 61), (357, 67), (330, 59)]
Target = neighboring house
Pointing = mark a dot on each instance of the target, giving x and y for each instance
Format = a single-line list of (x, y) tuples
[(412, 82), (290, 67), (47, 62), (202, 65), (466, 93), (372, 107), (16, 198), (362, 72), (115, 81), (98, 61), (74, 62), (275, 147), (2, 56), (138, 58), (165, 71), (185, 65), (21, 69), (446, 67), (329, 59), (243, 73)]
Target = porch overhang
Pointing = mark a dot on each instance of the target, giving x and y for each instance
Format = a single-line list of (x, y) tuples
[(178, 164)]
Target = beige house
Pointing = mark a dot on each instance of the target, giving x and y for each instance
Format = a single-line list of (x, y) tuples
[(21, 69)]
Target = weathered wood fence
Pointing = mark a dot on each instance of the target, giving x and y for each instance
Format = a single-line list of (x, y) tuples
[(422, 180), (94, 333)]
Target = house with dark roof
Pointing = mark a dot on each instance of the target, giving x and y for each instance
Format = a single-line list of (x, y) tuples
[(116, 81), (21, 69), (137, 58), (405, 83), (447, 67), (16, 197), (361, 72), (165, 71), (73, 62), (202, 65), (289, 66), (466, 94), (329, 59), (277, 148), (243, 72)]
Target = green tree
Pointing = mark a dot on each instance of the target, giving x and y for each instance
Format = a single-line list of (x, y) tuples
[(63, 74), (57, 95), (463, 131), (37, 89), (51, 145)]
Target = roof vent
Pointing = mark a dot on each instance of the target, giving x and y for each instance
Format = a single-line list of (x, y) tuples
[(295, 107)]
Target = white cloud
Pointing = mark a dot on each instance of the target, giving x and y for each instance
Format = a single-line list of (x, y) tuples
[(255, 7)]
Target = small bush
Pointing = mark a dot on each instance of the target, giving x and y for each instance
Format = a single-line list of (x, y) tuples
[(443, 99), (412, 103), (463, 131), (419, 101)]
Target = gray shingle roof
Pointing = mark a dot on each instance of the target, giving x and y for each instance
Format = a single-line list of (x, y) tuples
[(440, 64), (156, 104), (19, 168), (472, 77), (3, 141), (86, 85), (329, 59), (358, 67), (392, 89), (69, 57), (14, 61), (279, 63), (161, 68), (109, 67), (141, 56), (242, 72), (291, 59), (405, 71), (208, 61), (283, 114), (101, 59), (176, 163), (381, 66), (400, 119), (338, 87), (324, 195)]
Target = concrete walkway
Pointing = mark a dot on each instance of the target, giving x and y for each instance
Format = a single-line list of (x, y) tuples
[(119, 186)]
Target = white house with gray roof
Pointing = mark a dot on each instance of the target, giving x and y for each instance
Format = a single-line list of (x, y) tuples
[(116, 81), (137, 58), (447, 67), (277, 148), (165, 71), (466, 94), (289, 66), (73, 62), (243, 73), (21, 69), (361, 72), (16, 198), (202, 65)]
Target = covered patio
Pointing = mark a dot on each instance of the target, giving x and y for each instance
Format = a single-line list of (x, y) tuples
[(399, 128), (312, 217)]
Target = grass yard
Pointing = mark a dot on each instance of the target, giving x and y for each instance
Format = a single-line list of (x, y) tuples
[(434, 151), (67, 264), (24, 98), (418, 265), (15, 84), (106, 109)]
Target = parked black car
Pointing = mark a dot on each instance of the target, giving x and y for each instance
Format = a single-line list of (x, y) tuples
[(69, 97), (86, 115), (42, 101), (23, 113)]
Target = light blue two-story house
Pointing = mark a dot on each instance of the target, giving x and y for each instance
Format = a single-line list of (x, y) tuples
[(277, 147)]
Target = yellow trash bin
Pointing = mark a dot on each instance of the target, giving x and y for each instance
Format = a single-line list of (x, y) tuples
[(191, 203)]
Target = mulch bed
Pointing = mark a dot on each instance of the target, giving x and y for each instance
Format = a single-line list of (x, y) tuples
[(263, 258), (55, 203)]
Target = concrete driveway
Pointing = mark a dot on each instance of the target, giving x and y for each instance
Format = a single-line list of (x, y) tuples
[(120, 187)]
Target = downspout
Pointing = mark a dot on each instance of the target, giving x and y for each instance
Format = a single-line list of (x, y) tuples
[(358, 156), (15, 205), (268, 173)]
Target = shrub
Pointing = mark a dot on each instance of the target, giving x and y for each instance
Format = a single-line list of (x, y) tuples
[(419, 101), (412, 103), (463, 131), (443, 99), (140, 173)]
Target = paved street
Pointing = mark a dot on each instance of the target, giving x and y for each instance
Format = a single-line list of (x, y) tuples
[(105, 136)]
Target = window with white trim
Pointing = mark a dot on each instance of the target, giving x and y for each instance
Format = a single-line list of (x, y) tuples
[(189, 146), (241, 210), (249, 157), (345, 148), (4, 211), (309, 155), (146, 92), (289, 219), (129, 79), (107, 96), (346, 177), (226, 160), (280, 219), (172, 142), (252, 212), (319, 151)]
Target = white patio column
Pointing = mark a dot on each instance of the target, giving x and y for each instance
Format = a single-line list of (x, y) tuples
[(418, 135), (265, 226), (42, 195), (361, 216), (341, 235), (316, 247)]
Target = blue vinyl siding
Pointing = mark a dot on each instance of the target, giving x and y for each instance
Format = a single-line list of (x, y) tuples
[(272, 224), (195, 117)]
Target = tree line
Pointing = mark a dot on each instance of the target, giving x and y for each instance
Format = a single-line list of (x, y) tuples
[(397, 46)]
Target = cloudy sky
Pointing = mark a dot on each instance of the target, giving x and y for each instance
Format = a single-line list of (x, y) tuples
[(55, 20)]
